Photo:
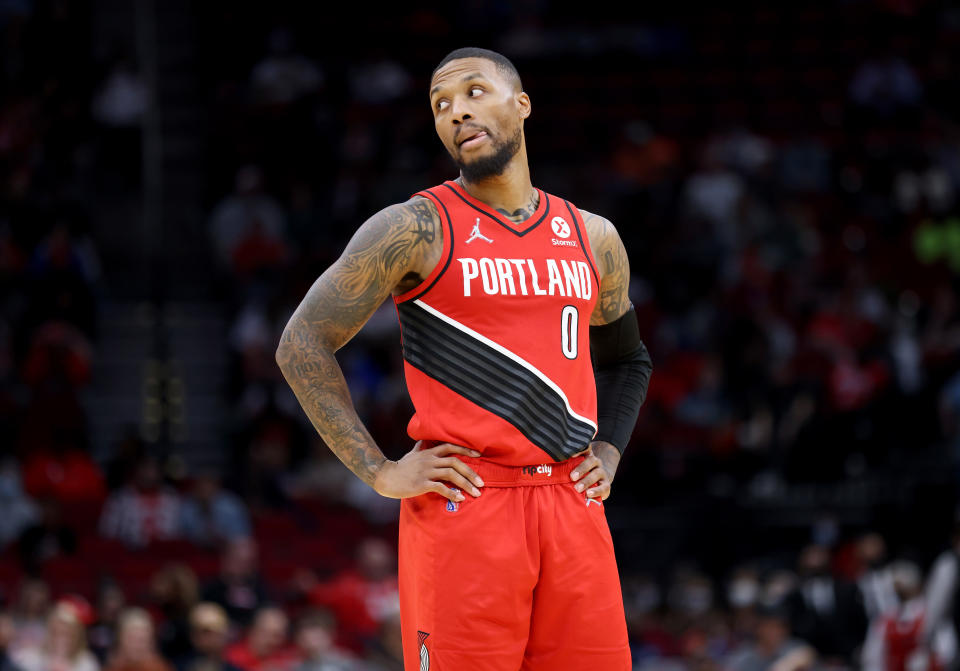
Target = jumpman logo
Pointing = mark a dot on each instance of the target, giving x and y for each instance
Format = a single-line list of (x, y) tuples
[(477, 234)]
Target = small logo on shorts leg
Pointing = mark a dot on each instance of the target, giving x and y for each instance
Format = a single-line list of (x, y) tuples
[(453, 506), (597, 501), (424, 655)]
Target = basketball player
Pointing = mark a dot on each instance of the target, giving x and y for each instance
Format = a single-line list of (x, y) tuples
[(502, 290)]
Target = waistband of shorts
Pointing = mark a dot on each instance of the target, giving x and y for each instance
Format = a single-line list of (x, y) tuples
[(498, 475)]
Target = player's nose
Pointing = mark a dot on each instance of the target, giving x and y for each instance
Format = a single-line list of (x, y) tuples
[(460, 111)]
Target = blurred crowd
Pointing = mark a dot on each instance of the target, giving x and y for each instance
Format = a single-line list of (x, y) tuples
[(785, 180), (850, 605), (231, 621)]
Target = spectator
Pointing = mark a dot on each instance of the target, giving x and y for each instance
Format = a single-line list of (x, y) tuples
[(136, 648), (50, 537), (58, 351), (6, 636), (885, 85), (261, 471), (265, 647), (386, 652), (361, 598), (897, 640), (102, 634), (239, 588), (64, 647), (247, 214), (144, 510), (211, 515), (209, 634), (314, 637), (827, 613), (55, 465), (773, 647), (743, 598), (941, 590), (30, 614), (174, 592), (122, 466), (19, 510), (122, 99), (875, 580), (283, 76)]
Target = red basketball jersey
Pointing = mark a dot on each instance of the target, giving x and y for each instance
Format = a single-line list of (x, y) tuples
[(496, 341)]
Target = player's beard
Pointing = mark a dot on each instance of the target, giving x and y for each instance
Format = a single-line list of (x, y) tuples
[(493, 164)]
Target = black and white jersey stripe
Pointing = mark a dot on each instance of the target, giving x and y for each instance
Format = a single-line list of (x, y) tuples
[(494, 378)]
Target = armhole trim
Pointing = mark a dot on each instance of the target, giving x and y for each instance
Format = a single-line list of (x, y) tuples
[(442, 265), (584, 240)]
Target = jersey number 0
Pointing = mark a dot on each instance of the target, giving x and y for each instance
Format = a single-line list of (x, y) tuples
[(568, 331)]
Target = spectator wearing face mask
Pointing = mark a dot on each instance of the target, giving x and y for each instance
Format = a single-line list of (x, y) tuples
[(743, 597), (827, 612)]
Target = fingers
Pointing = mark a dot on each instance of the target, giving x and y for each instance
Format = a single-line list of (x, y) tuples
[(462, 469), (592, 478), (446, 492), (601, 489), (585, 466), (453, 470), (453, 477), (443, 449)]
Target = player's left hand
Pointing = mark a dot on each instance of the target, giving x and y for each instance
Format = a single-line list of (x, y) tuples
[(595, 474)]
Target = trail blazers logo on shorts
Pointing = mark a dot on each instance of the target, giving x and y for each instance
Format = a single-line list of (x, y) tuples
[(424, 655)]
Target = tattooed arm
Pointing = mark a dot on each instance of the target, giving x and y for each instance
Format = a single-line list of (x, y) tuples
[(391, 252), (613, 267)]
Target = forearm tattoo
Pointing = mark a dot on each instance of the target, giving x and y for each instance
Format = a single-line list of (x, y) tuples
[(382, 252)]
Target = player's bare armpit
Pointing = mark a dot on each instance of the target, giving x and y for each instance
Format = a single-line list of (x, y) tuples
[(395, 247), (613, 266)]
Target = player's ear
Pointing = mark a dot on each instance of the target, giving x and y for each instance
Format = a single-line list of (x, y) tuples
[(523, 104)]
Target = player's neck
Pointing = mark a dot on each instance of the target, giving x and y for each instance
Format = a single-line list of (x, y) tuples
[(511, 193)]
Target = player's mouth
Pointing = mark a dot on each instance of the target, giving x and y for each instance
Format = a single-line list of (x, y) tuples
[(474, 139)]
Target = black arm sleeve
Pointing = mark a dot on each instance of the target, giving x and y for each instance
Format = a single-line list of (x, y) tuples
[(622, 367)]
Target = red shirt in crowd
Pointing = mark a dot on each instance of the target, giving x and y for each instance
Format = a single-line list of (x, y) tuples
[(68, 477), (283, 659), (359, 604)]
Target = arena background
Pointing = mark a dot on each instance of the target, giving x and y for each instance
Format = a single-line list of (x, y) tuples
[(175, 174)]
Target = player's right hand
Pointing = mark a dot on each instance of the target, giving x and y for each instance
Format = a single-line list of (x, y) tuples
[(421, 471)]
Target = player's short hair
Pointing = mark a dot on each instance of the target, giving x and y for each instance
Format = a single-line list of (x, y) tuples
[(506, 68)]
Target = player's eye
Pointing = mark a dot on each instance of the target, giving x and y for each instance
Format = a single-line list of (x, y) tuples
[(474, 89), (442, 104)]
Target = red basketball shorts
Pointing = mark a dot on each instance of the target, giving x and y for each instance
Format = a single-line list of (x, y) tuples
[(521, 578)]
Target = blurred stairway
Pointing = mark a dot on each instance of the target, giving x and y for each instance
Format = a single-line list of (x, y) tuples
[(160, 362), (177, 399)]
